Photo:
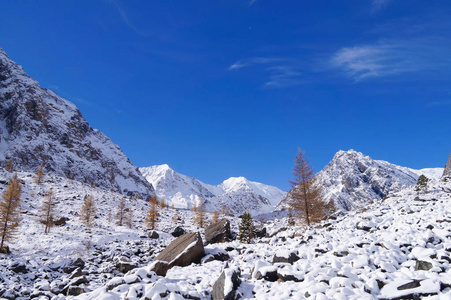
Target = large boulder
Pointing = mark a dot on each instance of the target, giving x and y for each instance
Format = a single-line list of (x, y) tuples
[(183, 251), (225, 288), (218, 232)]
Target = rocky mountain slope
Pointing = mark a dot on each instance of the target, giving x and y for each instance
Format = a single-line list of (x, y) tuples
[(238, 193), (447, 171), (39, 127), (353, 180)]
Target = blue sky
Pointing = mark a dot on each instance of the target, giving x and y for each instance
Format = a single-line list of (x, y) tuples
[(232, 88)]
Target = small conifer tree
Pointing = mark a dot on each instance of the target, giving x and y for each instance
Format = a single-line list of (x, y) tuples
[(48, 210), (246, 228), (88, 211), (39, 174), (153, 214), (9, 165), (422, 184), (10, 211)]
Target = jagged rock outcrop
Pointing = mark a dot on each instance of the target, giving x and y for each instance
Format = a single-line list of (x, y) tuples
[(447, 171), (39, 127)]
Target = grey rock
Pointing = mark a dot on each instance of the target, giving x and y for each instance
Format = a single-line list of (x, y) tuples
[(423, 265), (183, 251), (154, 235), (160, 267), (218, 292), (72, 266), (290, 259), (19, 268), (218, 232), (178, 231), (125, 266), (75, 291), (410, 285), (268, 276)]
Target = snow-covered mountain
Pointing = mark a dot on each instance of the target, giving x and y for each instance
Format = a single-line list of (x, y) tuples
[(237, 193), (447, 171), (39, 127), (353, 180)]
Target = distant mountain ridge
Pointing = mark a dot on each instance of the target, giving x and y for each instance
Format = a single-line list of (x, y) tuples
[(39, 127), (353, 180), (238, 193)]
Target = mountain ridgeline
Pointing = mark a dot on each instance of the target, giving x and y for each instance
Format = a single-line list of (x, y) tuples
[(353, 180), (237, 193), (39, 127)]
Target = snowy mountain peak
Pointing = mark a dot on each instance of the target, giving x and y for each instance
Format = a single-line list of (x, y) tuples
[(39, 127), (352, 180), (238, 193)]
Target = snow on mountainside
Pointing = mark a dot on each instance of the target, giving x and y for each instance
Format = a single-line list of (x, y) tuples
[(238, 193), (37, 126), (353, 180)]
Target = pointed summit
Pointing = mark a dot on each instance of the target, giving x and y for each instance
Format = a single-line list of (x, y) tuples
[(39, 127), (447, 171)]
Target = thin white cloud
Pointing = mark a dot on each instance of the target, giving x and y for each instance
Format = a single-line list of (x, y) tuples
[(393, 57), (283, 76), (126, 20), (282, 72), (378, 5), (251, 2)]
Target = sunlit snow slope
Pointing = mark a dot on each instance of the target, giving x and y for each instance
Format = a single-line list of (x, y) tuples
[(238, 193)]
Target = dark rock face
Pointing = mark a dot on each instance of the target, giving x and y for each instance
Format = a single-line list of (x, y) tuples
[(219, 293), (281, 259), (19, 268), (41, 127), (447, 171), (178, 231), (60, 222), (423, 265), (72, 266), (218, 232), (183, 251), (154, 235)]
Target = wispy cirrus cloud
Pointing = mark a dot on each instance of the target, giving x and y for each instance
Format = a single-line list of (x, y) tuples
[(127, 21), (282, 71), (378, 5), (389, 58)]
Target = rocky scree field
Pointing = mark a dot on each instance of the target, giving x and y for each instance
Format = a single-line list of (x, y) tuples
[(398, 248)]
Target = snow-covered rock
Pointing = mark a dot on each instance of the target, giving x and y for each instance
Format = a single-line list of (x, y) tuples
[(237, 193), (39, 127)]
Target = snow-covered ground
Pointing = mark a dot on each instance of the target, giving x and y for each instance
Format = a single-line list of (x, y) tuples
[(394, 248)]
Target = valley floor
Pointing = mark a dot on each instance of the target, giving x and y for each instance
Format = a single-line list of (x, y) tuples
[(399, 248)]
